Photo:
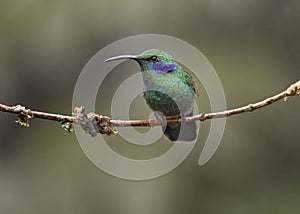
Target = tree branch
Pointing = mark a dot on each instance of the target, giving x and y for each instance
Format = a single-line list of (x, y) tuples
[(94, 123)]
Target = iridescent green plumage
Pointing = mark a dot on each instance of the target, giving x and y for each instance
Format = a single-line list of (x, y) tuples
[(168, 89)]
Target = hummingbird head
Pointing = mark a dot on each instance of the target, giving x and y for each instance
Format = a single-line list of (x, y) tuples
[(156, 60)]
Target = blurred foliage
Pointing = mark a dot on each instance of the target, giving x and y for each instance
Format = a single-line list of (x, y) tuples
[(253, 45)]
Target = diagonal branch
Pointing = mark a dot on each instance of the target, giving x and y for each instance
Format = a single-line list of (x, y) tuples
[(94, 123)]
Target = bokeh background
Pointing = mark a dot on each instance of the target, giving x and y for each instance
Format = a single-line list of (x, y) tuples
[(255, 49)]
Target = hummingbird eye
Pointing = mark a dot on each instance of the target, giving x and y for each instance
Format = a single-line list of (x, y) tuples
[(154, 58)]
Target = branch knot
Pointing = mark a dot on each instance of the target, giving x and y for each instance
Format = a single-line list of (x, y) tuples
[(294, 89), (92, 123), (23, 115)]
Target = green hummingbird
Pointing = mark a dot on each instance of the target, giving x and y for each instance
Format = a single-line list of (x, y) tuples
[(169, 90)]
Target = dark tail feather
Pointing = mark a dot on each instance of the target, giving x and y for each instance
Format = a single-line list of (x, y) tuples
[(181, 132)]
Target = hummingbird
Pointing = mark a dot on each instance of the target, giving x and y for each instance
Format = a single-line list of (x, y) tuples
[(169, 90)]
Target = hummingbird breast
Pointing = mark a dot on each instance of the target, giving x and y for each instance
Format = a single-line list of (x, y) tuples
[(168, 94)]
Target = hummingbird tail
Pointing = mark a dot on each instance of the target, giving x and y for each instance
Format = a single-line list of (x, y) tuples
[(182, 132)]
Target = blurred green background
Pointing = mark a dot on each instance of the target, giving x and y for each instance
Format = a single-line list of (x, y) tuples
[(255, 49)]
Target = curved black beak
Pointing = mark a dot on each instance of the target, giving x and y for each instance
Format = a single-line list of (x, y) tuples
[(121, 57)]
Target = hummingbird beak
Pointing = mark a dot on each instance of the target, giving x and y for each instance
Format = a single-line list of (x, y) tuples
[(121, 57)]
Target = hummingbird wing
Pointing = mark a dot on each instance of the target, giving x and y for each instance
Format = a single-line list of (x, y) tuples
[(188, 79), (191, 82)]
